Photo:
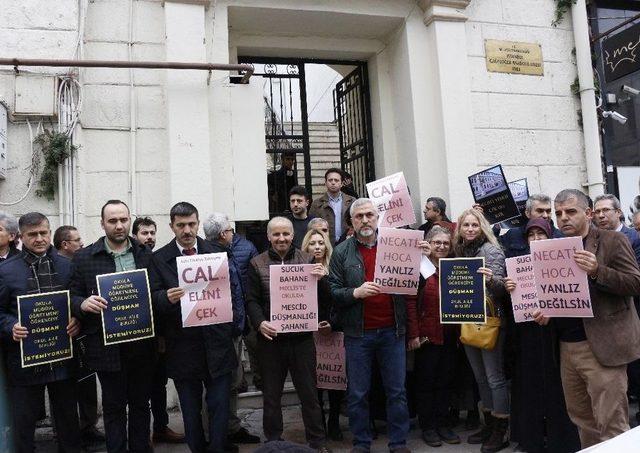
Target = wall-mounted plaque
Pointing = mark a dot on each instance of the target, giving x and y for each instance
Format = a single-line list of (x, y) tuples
[(514, 57)]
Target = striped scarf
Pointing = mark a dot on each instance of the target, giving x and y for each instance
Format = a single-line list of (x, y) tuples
[(43, 278)]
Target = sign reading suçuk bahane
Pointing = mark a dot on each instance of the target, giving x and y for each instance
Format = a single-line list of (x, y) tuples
[(294, 297), (514, 57)]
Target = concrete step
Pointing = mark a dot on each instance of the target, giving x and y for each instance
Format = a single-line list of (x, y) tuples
[(253, 398)]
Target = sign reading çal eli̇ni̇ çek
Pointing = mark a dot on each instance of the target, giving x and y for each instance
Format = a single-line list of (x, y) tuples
[(514, 57)]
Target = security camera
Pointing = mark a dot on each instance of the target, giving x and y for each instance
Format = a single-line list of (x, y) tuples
[(630, 90), (615, 116)]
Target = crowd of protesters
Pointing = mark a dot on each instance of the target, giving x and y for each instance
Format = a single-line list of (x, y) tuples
[(553, 385)]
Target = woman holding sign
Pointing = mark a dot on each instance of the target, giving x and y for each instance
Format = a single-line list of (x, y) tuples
[(474, 238), (436, 357), (539, 422), (316, 243)]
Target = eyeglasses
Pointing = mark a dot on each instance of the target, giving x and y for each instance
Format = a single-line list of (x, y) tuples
[(604, 211), (445, 244)]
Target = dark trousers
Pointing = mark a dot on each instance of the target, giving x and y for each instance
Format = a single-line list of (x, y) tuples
[(128, 388), (297, 355), (88, 402), (433, 371), (159, 395), (27, 402), (217, 398)]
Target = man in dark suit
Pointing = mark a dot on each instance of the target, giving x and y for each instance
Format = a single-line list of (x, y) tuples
[(594, 352), (37, 269), (125, 369), (607, 214), (197, 357)]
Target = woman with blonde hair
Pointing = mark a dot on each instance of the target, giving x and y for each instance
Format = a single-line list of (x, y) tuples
[(474, 238), (316, 243)]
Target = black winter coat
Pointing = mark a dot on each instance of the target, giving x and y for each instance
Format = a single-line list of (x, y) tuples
[(87, 263), (192, 352), (14, 273)]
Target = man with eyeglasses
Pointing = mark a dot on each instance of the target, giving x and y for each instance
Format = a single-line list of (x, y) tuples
[(607, 216), (67, 240)]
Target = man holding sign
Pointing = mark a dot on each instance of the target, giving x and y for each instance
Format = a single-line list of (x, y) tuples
[(38, 269), (200, 353), (124, 369), (374, 325), (286, 352), (594, 352)]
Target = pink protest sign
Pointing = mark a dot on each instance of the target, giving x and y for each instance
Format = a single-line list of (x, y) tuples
[(331, 366), (207, 298), (294, 297), (524, 299), (391, 198), (562, 288), (398, 261)]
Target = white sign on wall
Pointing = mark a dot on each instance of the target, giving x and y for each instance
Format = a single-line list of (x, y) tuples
[(629, 190)]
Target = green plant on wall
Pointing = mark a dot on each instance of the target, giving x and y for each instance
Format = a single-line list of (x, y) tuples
[(562, 7), (55, 147)]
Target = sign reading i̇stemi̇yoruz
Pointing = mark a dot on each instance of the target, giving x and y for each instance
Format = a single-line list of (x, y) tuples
[(514, 57)]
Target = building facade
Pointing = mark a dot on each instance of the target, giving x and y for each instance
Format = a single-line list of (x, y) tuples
[(155, 137)]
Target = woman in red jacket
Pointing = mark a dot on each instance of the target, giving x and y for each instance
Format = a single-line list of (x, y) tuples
[(435, 359)]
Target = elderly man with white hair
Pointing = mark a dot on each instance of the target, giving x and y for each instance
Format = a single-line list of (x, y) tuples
[(8, 236), (285, 352), (218, 231)]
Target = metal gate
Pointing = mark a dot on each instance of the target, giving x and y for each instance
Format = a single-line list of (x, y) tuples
[(286, 127), (353, 115)]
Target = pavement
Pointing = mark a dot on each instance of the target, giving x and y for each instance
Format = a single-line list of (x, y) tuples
[(294, 432)]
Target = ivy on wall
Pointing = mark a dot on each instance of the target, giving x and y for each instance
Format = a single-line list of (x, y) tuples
[(562, 7), (56, 147)]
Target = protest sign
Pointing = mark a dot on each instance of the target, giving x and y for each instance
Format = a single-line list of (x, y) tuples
[(427, 269), (397, 268), (294, 297), (562, 287), (331, 369), (462, 291), (390, 196), (490, 190), (46, 317), (207, 297), (523, 299), (129, 315), (520, 192)]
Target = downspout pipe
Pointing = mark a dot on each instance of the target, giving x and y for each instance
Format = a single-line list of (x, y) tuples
[(593, 159)]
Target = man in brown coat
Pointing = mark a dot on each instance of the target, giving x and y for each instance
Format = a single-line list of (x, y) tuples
[(594, 352), (333, 205)]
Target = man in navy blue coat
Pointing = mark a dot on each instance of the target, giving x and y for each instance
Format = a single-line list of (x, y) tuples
[(37, 269), (198, 358)]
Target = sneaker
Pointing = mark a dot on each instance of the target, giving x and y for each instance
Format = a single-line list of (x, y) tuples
[(242, 436), (447, 435), (431, 438), (168, 436)]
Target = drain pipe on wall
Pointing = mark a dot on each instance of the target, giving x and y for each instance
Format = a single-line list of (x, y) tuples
[(593, 159), (133, 124)]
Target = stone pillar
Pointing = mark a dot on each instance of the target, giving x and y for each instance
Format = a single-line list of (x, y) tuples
[(187, 96), (450, 88)]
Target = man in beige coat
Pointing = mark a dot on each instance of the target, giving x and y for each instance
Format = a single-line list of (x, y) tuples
[(333, 205), (594, 352)]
